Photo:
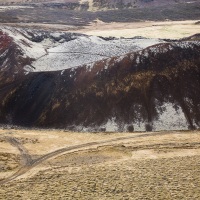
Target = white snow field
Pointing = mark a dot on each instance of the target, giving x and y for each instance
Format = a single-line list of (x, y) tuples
[(53, 52)]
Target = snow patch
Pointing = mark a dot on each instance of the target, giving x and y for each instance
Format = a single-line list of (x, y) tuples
[(111, 125), (28, 68), (4, 8), (171, 117), (29, 49), (62, 72)]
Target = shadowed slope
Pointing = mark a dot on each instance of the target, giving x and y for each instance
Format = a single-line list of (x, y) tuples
[(156, 88)]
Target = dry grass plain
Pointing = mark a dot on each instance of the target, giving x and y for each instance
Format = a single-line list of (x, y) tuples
[(149, 29), (154, 165)]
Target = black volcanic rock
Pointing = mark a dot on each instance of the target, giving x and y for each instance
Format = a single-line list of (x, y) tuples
[(157, 88)]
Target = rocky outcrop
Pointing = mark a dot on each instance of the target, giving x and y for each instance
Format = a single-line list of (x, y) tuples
[(154, 88)]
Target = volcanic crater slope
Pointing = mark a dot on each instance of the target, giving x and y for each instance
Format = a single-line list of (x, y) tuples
[(107, 84)]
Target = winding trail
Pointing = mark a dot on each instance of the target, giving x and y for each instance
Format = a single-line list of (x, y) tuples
[(29, 163)]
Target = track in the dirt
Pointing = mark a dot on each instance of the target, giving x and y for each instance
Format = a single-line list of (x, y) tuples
[(25, 156), (29, 164)]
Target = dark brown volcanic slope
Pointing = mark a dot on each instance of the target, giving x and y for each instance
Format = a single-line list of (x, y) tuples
[(152, 89)]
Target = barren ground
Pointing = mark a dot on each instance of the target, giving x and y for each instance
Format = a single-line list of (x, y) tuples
[(54, 164), (149, 29)]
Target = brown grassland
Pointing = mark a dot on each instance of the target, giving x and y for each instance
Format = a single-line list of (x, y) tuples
[(54, 164)]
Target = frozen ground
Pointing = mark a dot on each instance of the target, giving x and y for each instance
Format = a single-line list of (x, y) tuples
[(53, 52), (86, 50)]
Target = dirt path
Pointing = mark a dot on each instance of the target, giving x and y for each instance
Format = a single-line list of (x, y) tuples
[(25, 156), (29, 163)]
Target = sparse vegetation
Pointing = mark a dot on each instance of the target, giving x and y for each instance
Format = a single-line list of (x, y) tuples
[(161, 166), (54, 14)]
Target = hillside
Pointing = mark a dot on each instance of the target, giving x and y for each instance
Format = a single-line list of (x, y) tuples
[(100, 99), (152, 85)]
